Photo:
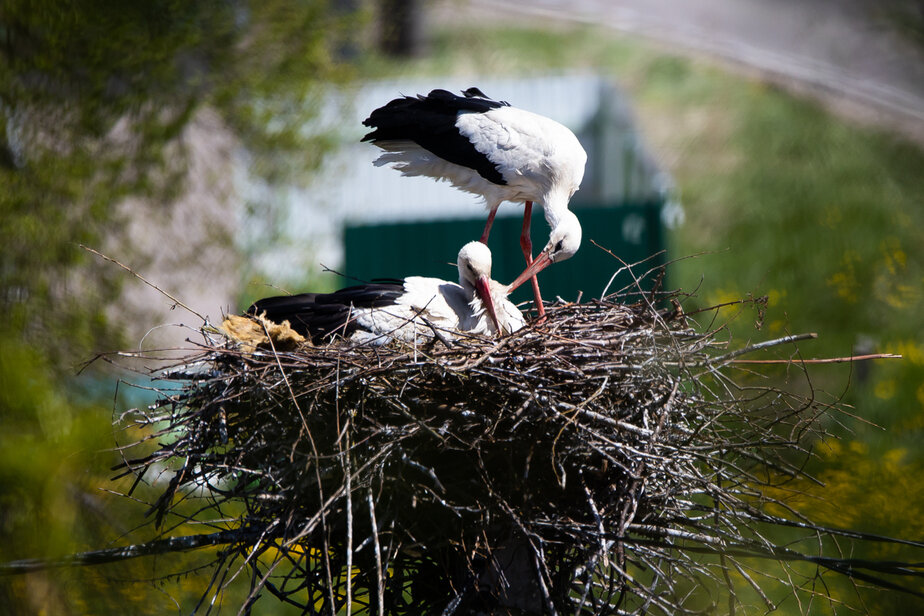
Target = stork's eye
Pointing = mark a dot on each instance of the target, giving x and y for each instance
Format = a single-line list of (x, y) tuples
[(558, 245)]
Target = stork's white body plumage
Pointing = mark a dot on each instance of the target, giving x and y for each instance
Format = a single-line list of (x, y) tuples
[(449, 307), (408, 310), (491, 149), (539, 159)]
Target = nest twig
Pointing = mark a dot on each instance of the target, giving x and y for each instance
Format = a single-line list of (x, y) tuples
[(602, 462)]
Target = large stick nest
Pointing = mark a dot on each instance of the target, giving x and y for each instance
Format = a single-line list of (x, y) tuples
[(600, 462)]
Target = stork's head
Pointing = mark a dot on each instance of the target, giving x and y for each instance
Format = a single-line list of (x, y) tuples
[(474, 264), (564, 241), (565, 238)]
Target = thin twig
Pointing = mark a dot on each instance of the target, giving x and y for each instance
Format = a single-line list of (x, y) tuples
[(145, 281), (379, 571), (761, 345), (824, 360)]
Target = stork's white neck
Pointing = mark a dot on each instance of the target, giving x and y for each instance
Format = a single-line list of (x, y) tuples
[(554, 209)]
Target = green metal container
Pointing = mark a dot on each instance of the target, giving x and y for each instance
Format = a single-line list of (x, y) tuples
[(632, 232)]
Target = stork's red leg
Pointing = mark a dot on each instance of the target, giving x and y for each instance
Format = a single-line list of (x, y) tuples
[(527, 245), (487, 227)]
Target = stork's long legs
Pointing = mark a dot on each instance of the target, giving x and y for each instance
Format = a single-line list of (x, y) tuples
[(527, 245), (487, 227)]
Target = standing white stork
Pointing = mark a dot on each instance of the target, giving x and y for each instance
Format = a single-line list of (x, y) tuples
[(494, 150), (406, 309)]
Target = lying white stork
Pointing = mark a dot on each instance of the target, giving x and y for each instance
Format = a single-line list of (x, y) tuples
[(406, 309), (494, 150)]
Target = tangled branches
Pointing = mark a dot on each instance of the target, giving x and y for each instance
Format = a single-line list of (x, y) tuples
[(601, 462)]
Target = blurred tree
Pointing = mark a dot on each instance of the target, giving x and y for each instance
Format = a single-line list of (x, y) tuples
[(401, 28), (94, 100), (96, 103)]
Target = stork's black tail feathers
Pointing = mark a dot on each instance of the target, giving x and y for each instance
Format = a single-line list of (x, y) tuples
[(430, 122), (401, 112), (321, 315)]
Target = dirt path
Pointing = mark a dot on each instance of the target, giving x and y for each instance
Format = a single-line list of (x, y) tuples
[(849, 53)]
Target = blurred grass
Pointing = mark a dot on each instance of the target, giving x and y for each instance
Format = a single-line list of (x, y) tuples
[(53, 452)]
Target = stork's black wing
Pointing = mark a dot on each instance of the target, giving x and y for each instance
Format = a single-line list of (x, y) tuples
[(319, 315), (430, 122)]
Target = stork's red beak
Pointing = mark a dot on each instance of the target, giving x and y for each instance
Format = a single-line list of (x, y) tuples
[(483, 288), (541, 262)]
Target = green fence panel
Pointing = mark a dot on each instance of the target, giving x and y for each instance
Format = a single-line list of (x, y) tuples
[(633, 232)]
